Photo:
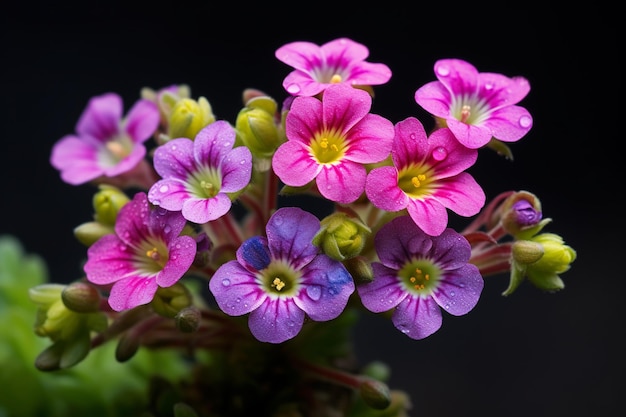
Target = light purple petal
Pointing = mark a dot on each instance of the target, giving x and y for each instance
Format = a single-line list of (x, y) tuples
[(276, 320), (131, 292), (102, 117), (169, 194), (384, 292), (417, 317), (213, 143), (236, 169), (509, 124), (142, 120), (108, 260), (289, 232), (326, 288), (203, 210), (174, 159), (302, 84), (461, 194), (293, 164), (127, 163), (382, 189), (76, 160), (165, 224), (182, 251), (460, 290), (451, 250), (235, 289), (397, 240), (429, 214), (343, 183)]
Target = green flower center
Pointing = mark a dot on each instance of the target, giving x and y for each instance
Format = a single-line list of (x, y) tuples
[(420, 277), (470, 109), (328, 147), (416, 181), (151, 256), (115, 149), (280, 279), (205, 183)]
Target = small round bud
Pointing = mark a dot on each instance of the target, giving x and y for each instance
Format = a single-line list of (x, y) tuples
[(188, 319), (188, 117), (341, 236), (257, 128), (107, 202), (127, 347), (519, 212), (88, 233), (375, 394), (81, 297), (526, 252)]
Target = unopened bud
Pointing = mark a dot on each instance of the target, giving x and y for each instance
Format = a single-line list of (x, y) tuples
[(375, 394), (168, 301), (88, 233), (127, 347), (257, 127), (188, 117), (360, 269), (81, 297), (107, 202), (188, 319), (521, 211), (341, 236), (526, 252)]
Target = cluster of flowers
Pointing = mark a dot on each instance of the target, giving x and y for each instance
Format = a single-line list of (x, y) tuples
[(205, 206)]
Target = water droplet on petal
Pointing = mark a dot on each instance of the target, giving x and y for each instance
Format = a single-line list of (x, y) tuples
[(167, 228), (173, 147), (163, 188), (439, 153), (412, 136), (452, 293), (525, 121), (488, 86), (226, 282), (314, 291), (293, 88), (443, 71)]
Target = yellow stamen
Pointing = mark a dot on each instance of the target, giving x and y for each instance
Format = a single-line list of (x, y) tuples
[(335, 79), (324, 143), (153, 254), (116, 149), (278, 284), (417, 181), (206, 185)]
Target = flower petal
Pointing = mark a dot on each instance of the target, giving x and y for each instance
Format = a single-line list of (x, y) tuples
[(384, 292), (203, 210), (381, 187), (460, 290), (102, 117), (131, 292), (294, 165), (76, 159), (108, 259), (343, 183), (174, 159), (182, 251), (276, 320), (142, 120), (417, 317), (290, 232), (235, 289), (236, 169)]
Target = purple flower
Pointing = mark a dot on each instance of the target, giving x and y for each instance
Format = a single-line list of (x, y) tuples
[(338, 61), (427, 177), (418, 275), (199, 175), (105, 144), (280, 278), (146, 252), (476, 106), (330, 140)]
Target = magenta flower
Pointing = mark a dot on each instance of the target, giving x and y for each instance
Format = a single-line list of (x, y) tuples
[(338, 61), (427, 177), (146, 252), (329, 141), (105, 144), (476, 106), (280, 278), (418, 275), (199, 175)]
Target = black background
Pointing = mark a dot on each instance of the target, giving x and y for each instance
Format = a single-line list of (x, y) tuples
[(528, 354)]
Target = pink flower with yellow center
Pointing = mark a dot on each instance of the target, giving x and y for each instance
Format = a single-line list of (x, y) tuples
[(476, 106), (105, 144), (330, 140), (338, 61), (427, 177)]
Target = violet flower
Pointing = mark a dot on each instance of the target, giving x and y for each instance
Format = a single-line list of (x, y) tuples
[(105, 144), (476, 106), (338, 61), (330, 140), (281, 278), (427, 177), (418, 275), (146, 252), (199, 175)]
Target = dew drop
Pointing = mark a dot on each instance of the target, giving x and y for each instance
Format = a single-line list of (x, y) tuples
[(167, 228), (238, 300), (439, 153), (173, 147), (293, 89), (488, 86), (452, 293), (243, 161), (226, 282), (412, 136), (443, 71), (314, 291), (525, 121), (163, 188), (156, 202)]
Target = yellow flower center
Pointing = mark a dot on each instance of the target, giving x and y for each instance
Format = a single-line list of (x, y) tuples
[(328, 148)]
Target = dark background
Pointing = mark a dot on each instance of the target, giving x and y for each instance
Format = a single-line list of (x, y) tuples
[(528, 354)]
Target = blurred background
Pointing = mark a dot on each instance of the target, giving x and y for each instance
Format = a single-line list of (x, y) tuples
[(529, 354)]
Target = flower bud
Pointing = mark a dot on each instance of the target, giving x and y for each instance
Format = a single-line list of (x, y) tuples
[(81, 297), (257, 128), (169, 301), (88, 233), (188, 117), (520, 211), (107, 202), (360, 269), (341, 236), (526, 252), (127, 346), (556, 260), (375, 394), (188, 319)]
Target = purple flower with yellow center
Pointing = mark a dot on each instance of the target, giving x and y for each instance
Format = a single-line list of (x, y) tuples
[(427, 177), (105, 144), (199, 176), (419, 275), (476, 106), (330, 140), (281, 278), (339, 61), (145, 253)]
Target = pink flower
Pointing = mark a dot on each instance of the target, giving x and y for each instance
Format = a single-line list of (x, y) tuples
[(338, 61), (427, 177), (105, 144), (199, 174), (146, 252), (330, 140), (476, 106), (418, 275)]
